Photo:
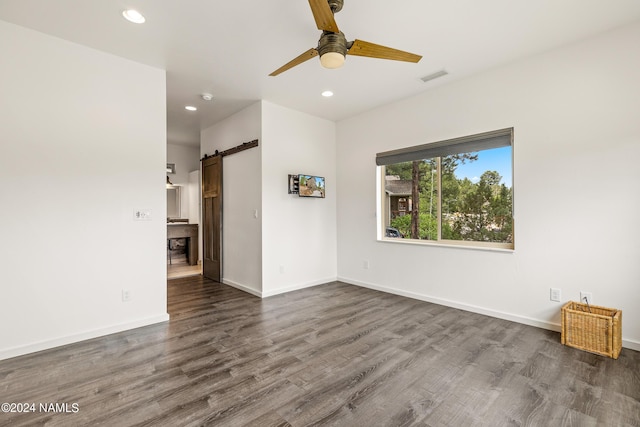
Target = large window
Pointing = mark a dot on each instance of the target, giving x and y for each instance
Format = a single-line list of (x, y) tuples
[(457, 191)]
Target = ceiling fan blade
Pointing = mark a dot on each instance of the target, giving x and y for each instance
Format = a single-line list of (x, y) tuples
[(362, 48), (296, 61), (323, 15)]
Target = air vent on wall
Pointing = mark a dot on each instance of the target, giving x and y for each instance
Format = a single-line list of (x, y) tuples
[(434, 75)]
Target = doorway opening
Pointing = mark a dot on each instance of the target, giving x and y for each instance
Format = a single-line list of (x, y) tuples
[(178, 262)]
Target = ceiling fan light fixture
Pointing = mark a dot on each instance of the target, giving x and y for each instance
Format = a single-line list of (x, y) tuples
[(332, 60), (332, 48)]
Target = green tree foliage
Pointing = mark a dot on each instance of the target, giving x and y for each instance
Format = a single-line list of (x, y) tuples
[(415, 196), (479, 211), (483, 214), (428, 229)]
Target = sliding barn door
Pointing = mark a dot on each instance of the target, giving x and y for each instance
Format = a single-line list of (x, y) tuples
[(212, 217)]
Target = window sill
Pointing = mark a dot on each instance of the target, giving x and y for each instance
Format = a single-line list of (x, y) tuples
[(505, 248)]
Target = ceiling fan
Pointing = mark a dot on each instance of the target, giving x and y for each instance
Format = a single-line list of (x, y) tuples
[(333, 45)]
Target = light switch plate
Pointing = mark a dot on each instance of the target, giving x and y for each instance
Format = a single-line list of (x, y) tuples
[(142, 214)]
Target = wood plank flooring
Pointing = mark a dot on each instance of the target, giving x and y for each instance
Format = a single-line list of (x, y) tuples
[(332, 355), (178, 267)]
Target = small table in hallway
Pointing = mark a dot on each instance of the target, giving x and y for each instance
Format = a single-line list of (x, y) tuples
[(188, 232)]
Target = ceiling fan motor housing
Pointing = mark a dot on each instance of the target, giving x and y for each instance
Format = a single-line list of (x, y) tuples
[(336, 5), (332, 42)]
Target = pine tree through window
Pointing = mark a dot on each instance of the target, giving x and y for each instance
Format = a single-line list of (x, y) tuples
[(457, 191)]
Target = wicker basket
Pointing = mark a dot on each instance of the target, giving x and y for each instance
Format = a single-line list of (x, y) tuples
[(592, 328)]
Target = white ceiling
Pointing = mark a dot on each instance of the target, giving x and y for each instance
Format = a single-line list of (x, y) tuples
[(228, 48)]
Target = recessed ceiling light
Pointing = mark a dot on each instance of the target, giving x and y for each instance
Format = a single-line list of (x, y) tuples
[(133, 16), (327, 93), (207, 96), (190, 108)]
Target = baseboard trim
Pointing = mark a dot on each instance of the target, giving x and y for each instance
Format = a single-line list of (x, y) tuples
[(70, 339), (242, 287), (297, 287), (626, 343), (631, 344), (277, 291)]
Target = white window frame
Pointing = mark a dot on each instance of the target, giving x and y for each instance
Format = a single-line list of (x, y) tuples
[(472, 143)]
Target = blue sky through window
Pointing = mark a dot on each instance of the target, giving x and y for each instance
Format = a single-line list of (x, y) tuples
[(497, 159)]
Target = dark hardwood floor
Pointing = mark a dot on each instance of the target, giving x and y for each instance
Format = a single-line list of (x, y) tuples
[(330, 355)]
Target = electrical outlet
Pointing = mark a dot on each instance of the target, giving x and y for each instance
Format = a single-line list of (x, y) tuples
[(555, 294), (126, 295), (282, 269), (365, 264), (586, 297)]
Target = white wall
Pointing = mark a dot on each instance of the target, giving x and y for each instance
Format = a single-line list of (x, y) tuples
[(298, 234), (576, 151), (187, 160), (292, 242), (241, 238), (82, 144), (195, 197)]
